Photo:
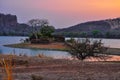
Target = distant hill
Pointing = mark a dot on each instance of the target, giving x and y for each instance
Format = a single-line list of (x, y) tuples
[(109, 28)]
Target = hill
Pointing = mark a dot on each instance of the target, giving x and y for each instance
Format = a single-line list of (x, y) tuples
[(109, 28)]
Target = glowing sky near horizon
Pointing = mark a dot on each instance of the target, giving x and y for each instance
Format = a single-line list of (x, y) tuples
[(61, 13)]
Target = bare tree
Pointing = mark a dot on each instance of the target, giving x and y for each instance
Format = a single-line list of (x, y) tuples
[(85, 48), (35, 23)]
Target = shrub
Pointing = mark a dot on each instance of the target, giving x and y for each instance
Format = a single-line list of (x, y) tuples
[(85, 48), (8, 64), (71, 40)]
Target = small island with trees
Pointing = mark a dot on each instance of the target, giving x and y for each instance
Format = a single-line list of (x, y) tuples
[(42, 37), (44, 34)]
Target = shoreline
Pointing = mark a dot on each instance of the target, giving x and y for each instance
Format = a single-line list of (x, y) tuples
[(53, 46)]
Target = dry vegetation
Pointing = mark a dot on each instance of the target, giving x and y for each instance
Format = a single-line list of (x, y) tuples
[(7, 65), (40, 68)]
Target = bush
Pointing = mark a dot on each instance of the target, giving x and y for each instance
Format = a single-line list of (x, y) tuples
[(47, 31), (58, 38), (85, 48), (71, 40)]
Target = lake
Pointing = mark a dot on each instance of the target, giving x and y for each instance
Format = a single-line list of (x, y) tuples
[(32, 52), (112, 43)]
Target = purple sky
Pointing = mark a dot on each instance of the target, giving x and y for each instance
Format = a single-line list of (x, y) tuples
[(61, 13)]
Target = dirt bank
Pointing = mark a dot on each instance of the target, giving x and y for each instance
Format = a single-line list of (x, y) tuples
[(51, 46), (63, 69)]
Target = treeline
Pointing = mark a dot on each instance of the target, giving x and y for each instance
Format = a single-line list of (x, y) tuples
[(12, 34), (93, 34)]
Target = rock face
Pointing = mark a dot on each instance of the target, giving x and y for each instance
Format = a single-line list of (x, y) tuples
[(114, 23), (10, 26), (8, 20)]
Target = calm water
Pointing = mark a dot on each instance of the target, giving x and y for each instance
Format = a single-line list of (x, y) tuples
[(11, 40), (113, 43)]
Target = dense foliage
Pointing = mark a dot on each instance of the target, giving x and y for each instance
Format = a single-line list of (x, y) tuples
[(47, 31)]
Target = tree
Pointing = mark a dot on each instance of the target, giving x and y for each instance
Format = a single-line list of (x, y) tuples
[(83, 34), (95, 33), (47, 31), (108, 34), (85, 48), (34, 23)]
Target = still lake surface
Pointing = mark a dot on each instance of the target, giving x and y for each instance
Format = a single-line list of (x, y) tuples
[(112, 43), (32, 52)]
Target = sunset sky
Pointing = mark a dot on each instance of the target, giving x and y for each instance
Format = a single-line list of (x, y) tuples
[(61, 13)]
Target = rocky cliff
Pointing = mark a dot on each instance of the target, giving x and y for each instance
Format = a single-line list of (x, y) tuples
[(10, 26), (8, 20)]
